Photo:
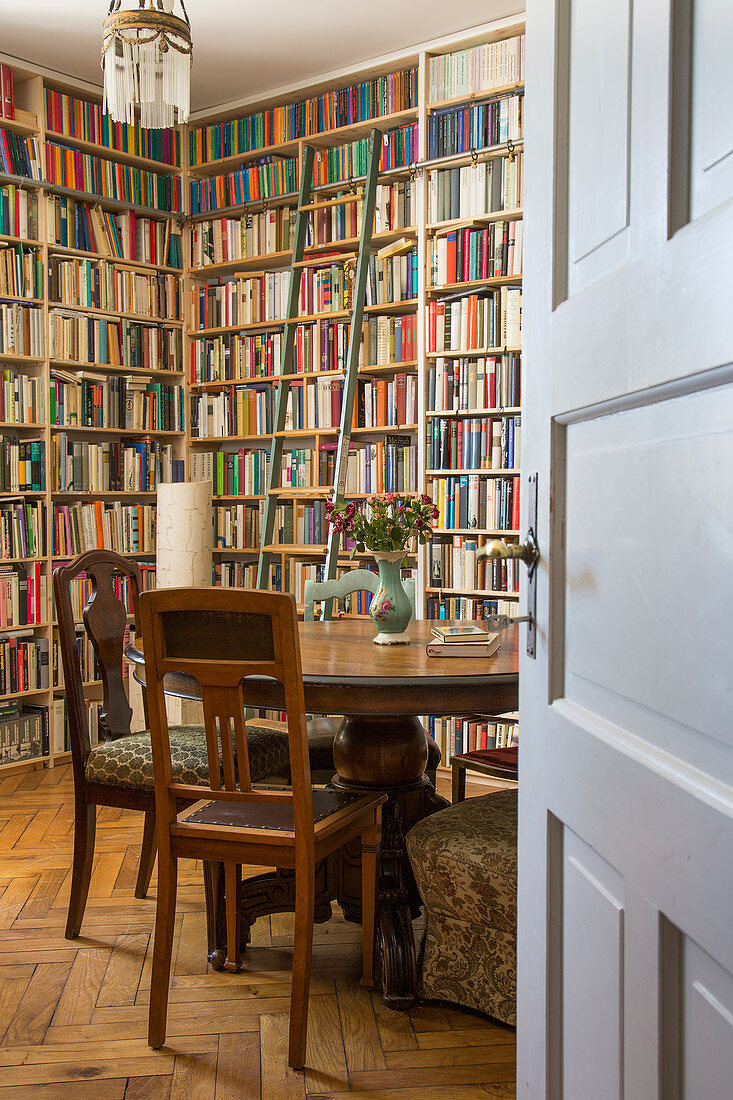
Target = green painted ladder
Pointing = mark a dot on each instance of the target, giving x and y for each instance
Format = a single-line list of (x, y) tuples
[(274, 487)]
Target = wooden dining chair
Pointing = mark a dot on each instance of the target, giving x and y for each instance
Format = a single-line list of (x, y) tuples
[(119, 770), (221, 637), (322, 731)]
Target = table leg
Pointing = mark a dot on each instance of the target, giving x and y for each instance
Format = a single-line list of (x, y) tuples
[(388, 754)]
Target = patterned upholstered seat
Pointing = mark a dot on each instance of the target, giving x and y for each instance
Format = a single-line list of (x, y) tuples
[(465, 863), (127, 762)]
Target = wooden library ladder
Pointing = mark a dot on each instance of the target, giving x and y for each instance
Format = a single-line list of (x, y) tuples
[(305, 206)]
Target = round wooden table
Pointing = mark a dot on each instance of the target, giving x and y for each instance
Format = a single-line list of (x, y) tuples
[(381, 691)]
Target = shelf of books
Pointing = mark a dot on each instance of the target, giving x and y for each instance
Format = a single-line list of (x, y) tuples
[(92, 404), (243, 178)]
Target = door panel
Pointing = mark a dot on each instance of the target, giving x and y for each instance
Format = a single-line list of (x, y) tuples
[(626, 768)]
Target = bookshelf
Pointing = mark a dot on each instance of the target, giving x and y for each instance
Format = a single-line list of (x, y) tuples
[(162, 264), (92, 402)]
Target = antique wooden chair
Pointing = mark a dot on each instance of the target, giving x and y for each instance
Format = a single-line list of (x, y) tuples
[(221, 637), (497, 763), (119, 770), (321, 731)]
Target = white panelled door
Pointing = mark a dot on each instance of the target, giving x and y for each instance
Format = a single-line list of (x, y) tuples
[(626, 779)]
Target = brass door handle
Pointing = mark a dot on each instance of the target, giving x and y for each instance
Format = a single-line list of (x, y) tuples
[(527, 551)]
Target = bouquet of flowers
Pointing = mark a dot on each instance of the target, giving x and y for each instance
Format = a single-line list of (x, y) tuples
[(392, 523)]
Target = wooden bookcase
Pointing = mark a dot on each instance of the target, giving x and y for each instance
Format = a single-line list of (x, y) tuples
[(208, 264)]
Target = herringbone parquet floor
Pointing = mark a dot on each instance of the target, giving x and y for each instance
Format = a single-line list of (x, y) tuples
[(73, 1015)]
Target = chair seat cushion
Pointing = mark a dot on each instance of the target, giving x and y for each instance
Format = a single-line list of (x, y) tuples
[(128, 762), (465, 860)]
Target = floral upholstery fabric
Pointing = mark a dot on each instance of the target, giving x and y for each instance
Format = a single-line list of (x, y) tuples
[(465, 863), (128, 762)]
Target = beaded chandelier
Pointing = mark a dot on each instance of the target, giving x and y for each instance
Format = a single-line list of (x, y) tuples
[(146, 58)]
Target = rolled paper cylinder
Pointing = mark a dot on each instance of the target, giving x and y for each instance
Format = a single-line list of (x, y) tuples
[(184, 536)]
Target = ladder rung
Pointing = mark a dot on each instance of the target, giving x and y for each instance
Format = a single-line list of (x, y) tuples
[(301, 491), (332, 202), (326, 261)]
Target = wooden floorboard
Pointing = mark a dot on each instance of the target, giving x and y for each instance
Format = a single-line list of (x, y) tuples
[(73, 1014)]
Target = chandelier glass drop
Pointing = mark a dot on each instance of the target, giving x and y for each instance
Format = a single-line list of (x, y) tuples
[(146, 57)]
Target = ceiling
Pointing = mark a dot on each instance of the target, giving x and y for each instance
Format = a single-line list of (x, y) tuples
[(243, 50)]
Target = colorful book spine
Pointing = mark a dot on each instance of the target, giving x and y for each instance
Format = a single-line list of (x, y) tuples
[(79, 118), (109, 179)]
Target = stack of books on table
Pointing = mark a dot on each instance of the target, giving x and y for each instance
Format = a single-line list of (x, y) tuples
[(462, 640)]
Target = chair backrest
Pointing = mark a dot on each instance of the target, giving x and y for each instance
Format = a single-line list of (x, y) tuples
[(222, 636), (354, 580), (104, 617)]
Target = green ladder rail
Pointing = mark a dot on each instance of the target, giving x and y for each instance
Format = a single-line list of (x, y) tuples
[(273, 492)]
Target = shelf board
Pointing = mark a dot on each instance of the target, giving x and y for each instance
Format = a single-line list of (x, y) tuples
[(488, 152), (483, 473), (209, 439), (307, 491), (13, 494), (23, 695), (477, 220), (106, 200), (480, 414), (12, 561), (230, 267), (22, 626), (470, 98), (224, 383), (236, 549), (6, 238), (11, 357), (143, 318), (24, 181), (10, 425), (159, 167), (241, 207), (470, 353), (115, 368), (69, 250), (385, 428), (473, 284), (236, 496), (484, 593), (477, 532), (135, 433), (122, 554), (249, 326), (389, 368), (131, 494), (21, 300)]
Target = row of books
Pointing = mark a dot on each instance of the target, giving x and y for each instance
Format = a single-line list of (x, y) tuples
[(20, 155), (326, 287), (124, 528), (320, 345), (452, 563), (101, 401), (369, 99), (79, 118), (301, 524), (137, 466), (235, 573), (79, 338), (315, 405), (478, 69), (468, 608), (125, 235), (456, 735), (454, 130), (308, 466), (389, 339), (22, 399), (242, 412), (241, 301), (22, 465), (90, 671), (7, 92), (99, 284), (21, 272), (109, 179), (386, 402), (60, 723), (23, 663), (476, 321), (81, 589), (480, 443), (485, 253), (24, 733), (475, 189), (455, 385), (21, 330), (392, 278), (470, 502), (18, 212), (240, 472), (238, 526), (399, 148), (235, 356), (388, 466), (220, 240), (22, 529), (23, 594), (267, 179)]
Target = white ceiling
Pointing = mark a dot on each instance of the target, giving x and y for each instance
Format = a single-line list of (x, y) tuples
[(247, 49)]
